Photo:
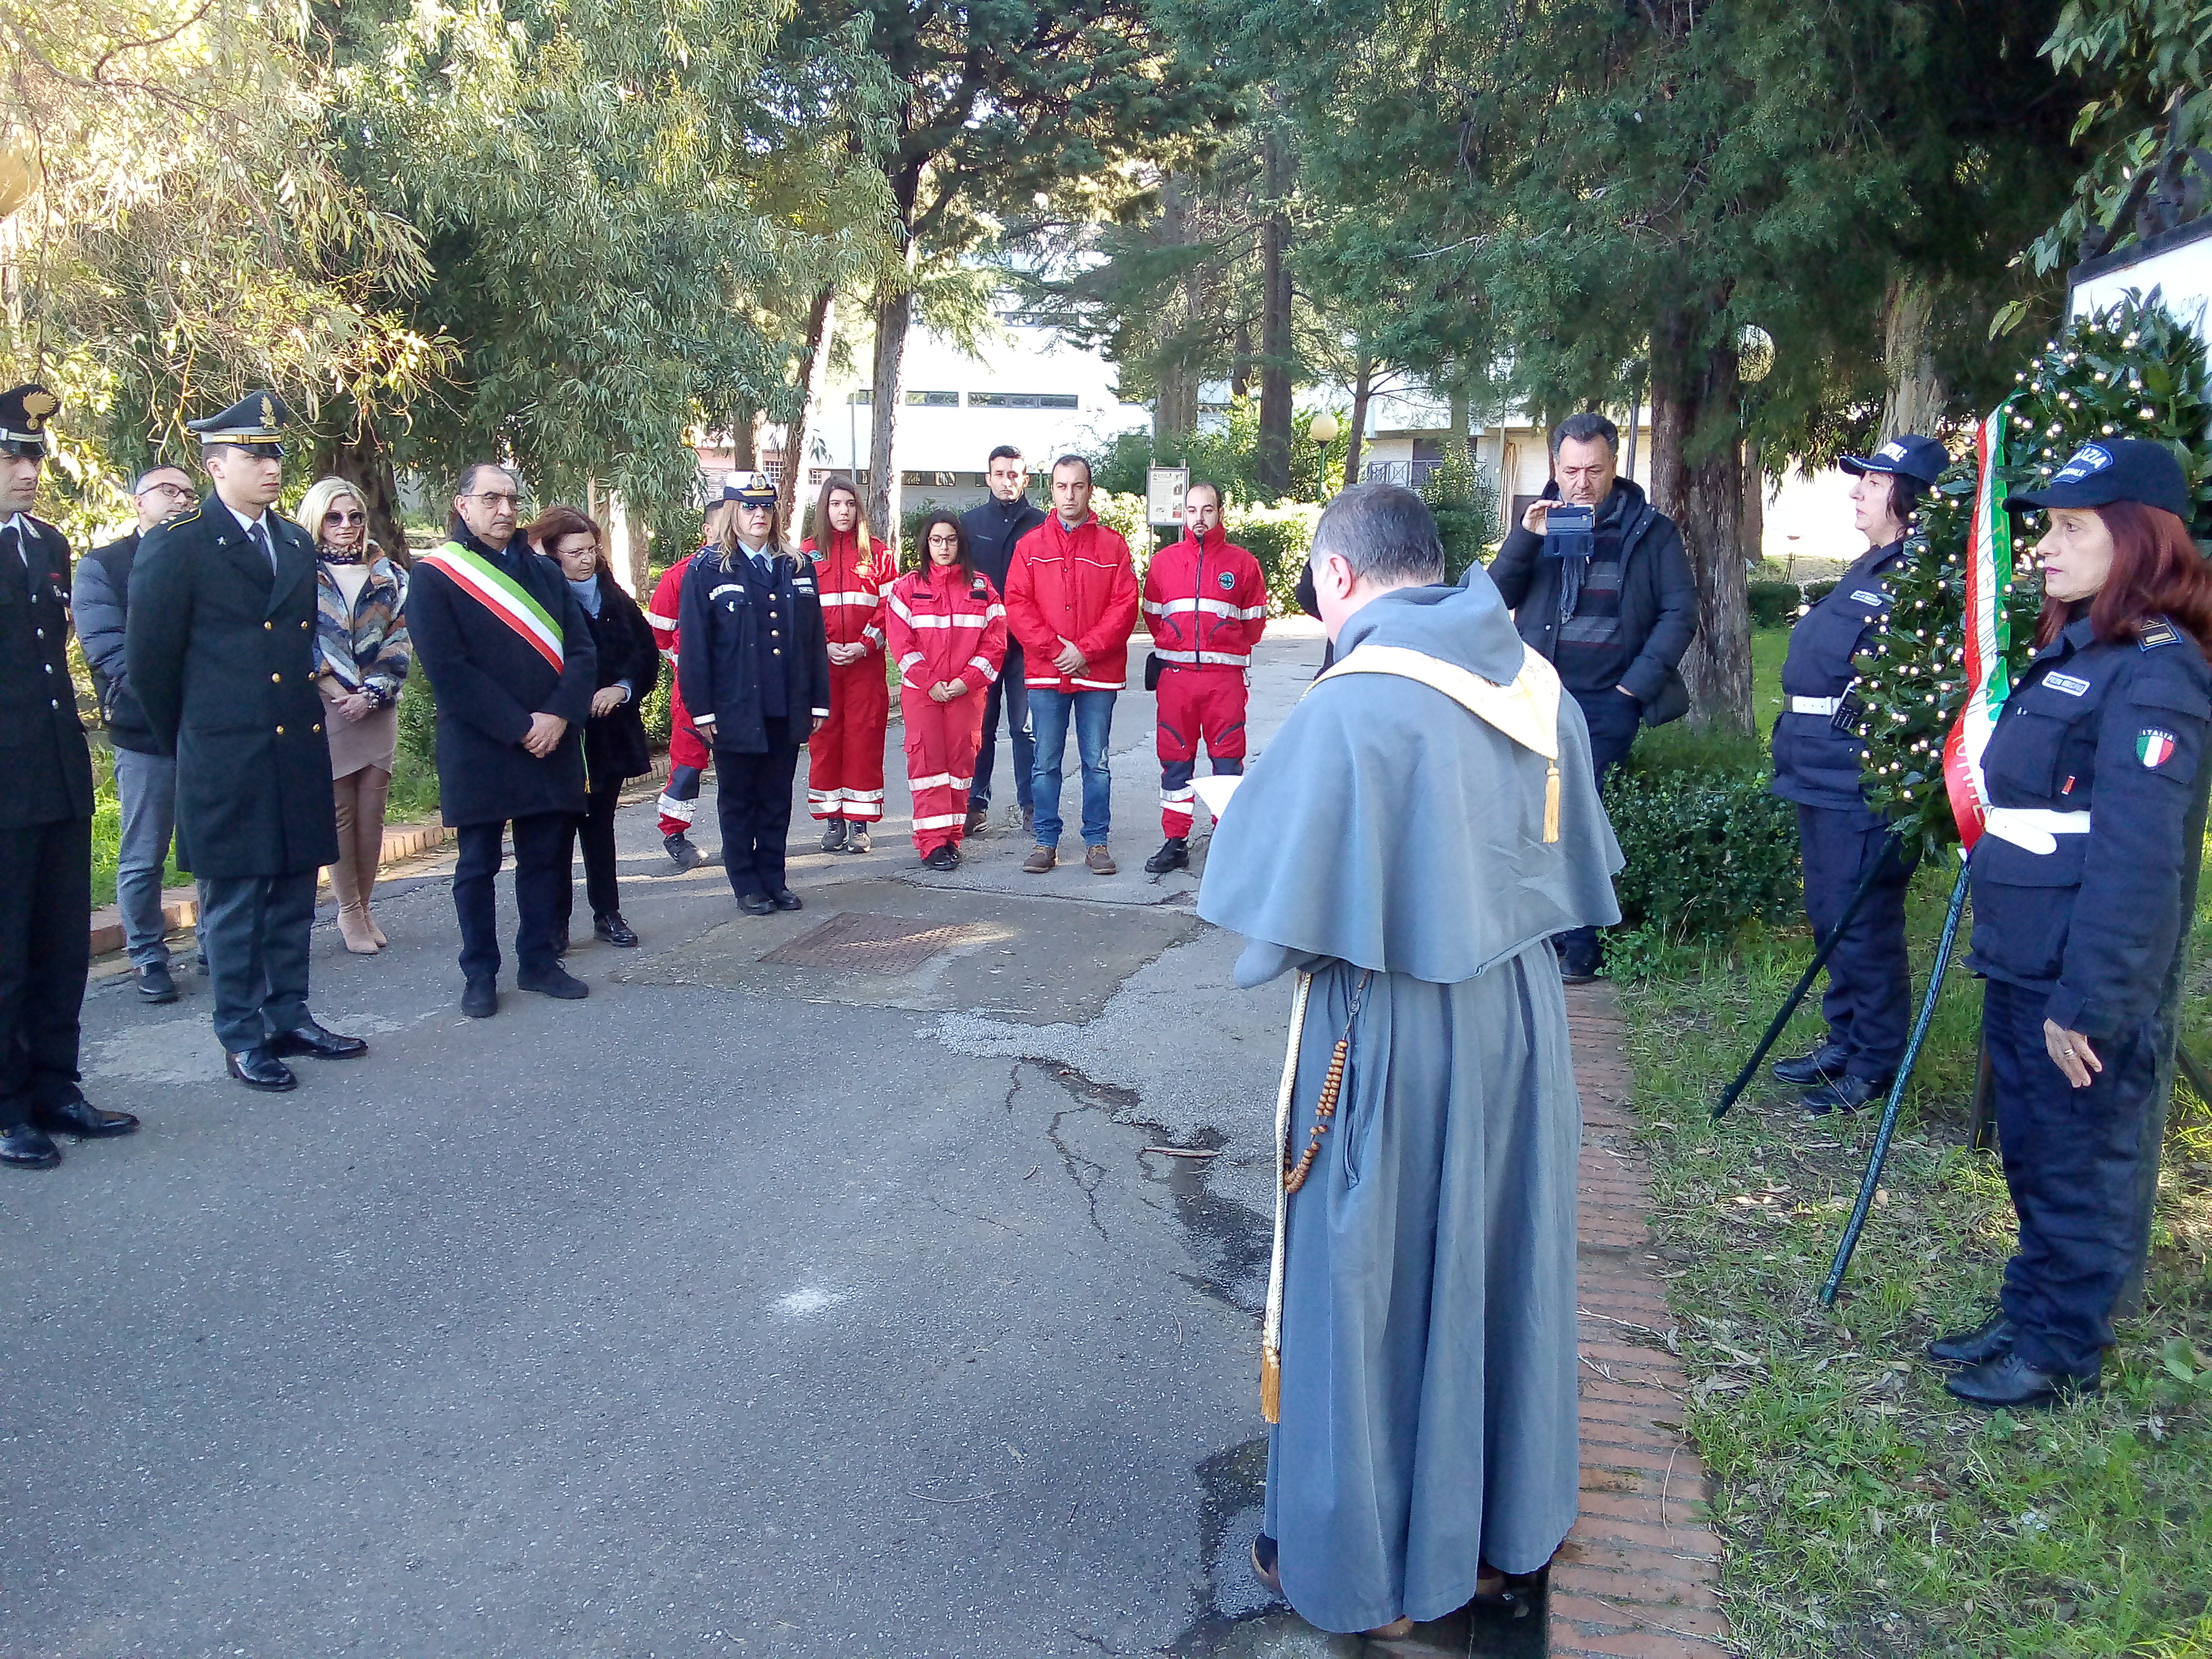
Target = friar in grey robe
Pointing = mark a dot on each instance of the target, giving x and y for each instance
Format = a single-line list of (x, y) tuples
[(1418, 828)]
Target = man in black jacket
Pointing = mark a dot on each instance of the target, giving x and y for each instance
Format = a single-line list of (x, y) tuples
[(991, 530), (45, 816), (1613, 611), (510, 658), (219, 645), (145, 777)]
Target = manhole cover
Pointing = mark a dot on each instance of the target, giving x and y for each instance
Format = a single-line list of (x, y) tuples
[(857, 943)]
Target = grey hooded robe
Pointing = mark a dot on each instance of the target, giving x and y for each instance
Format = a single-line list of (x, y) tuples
[(1429, 1394)]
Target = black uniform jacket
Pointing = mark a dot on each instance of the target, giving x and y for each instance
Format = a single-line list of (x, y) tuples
[(223, 659), (614, 744), (739, 629), (993, 529), (46, 770), (2115, 730), (1816, 763), (488, 681), (97, 602)]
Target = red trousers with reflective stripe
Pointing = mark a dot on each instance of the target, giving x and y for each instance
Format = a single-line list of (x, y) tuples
[(1196, 703), (687, 752), (845, 758), (941, 742)]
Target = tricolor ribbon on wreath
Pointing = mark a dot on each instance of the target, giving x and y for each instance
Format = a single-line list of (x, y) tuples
[(1987, 668), (501, 594)]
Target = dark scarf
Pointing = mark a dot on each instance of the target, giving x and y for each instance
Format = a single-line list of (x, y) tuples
[(1574, 552)]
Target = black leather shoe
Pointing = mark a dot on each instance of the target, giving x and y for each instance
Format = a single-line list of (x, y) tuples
[(784, 899), (613, 929), (679, 848), (27, 1146), (310, 1039), (1174, 854), (154, 984), (2008, 1381), (1845, 1094), (81, 1118), (480, 998), (756, 904), (1824, 1065), (942, 858), (1990, 1340), (257, 1068), (1577, 970), (555, 981)]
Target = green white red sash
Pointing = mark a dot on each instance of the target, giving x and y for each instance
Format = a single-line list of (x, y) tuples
[(501, 594), (1988, 637)]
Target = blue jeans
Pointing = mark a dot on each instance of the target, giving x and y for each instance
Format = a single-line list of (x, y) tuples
[(1093, 714), (1009, 692)]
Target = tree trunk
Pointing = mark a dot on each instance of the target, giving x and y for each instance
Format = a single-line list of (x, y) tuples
[(1240, 360), (1918, 392), (744, 439), (894, 316), (1754, 507), (814, 386), (359, 457), (629, 551), (1271, 467), (1697, 479), (1459, 441), (1363, 385), (1174, 390)]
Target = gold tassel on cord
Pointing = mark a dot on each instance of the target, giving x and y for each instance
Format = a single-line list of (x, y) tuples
[(1271, 1385), (1552, 803)]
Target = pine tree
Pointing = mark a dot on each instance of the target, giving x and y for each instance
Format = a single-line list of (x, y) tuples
[(2130, 372)]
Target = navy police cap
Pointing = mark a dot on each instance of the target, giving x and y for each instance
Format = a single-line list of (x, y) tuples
[(2114, 469), (255, 422), (24, 413), (750, 489), (1912, 456)]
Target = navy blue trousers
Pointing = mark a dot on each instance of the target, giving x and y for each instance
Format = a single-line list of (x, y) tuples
[(1613, 718), (1868, 1005), (752, 799), (543, 891), (2073, 1159)]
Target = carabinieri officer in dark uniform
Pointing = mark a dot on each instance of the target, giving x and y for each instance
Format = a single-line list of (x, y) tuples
[(755, 672), (1817, 759), (45, 816), (2091, 774), (219, 643)]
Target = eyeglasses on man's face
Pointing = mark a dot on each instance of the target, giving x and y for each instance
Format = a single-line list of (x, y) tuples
[(174, 491), (495, 499)]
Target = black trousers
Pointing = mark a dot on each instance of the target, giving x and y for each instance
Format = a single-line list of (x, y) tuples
[(2073, 1159), (752, 798), (255, 931), (1613, 718), (542, 891), (1010, 695), (596, 831), (45, 893), (1868, 1005)]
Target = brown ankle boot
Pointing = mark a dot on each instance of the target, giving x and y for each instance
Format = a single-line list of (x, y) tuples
[(353, 928)]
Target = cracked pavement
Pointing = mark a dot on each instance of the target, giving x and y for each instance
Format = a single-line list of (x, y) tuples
[(743, 1309)]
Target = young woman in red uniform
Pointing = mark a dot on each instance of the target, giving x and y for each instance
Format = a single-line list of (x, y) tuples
[(948, 633), (845, 758)]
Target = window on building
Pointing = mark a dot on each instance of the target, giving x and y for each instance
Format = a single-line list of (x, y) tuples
[(863, 397), (933, 399), (1022, 400)]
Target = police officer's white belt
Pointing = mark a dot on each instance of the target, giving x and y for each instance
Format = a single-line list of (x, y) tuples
[(1814, 705), (2036, 829)]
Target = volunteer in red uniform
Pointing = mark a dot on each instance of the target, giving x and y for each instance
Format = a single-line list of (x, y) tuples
[(948, 633), (688, 755), (1206, 604), (845, 758)]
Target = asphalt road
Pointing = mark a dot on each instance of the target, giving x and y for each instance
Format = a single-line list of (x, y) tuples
[(759, 1308)]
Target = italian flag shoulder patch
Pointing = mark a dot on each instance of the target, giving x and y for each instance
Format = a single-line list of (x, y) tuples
[(2154, 747)]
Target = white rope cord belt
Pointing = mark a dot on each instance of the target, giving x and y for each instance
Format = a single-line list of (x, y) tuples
[(2035, 829)]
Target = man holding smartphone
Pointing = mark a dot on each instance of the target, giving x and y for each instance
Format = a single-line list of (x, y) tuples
[(1600, 586)]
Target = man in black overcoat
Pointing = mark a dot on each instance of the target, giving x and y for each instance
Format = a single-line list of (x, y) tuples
[(219, 645), (45, 816), (509, 654)]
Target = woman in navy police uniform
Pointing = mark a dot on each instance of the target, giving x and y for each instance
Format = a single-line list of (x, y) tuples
[(2077, 888), (1817, 761)]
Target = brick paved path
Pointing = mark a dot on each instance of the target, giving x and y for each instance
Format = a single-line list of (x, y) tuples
[(1638, 1575)]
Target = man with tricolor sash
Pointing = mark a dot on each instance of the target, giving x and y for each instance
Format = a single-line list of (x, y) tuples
[(508, 652)]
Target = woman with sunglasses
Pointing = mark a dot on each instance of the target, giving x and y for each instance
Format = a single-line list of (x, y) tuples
[(948, 630), (361, 657)]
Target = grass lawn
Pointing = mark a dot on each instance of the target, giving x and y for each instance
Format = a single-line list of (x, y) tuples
[(1866, 1512)]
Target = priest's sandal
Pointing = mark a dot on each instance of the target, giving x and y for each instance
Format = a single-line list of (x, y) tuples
[(1264, 1553)]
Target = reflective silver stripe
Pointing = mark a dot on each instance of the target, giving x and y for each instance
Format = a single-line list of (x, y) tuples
[(978, 662), (1195, 658), (684, 812), (941, 821), (1814, 705), (939, 780), (1211, 607), (667, 625), (869, 599)]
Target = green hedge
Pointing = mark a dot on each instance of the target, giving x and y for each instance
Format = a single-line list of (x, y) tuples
[(1775, 604)]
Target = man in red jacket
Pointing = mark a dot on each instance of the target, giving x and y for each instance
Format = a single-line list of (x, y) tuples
[(1206, 604), (1072, 602)]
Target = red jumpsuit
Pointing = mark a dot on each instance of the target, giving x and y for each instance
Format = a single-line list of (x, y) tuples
[(943, 628), (688, 755), (1206, 604), (845, 758)]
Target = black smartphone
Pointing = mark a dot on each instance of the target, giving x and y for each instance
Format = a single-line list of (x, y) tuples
[(1567, 519)]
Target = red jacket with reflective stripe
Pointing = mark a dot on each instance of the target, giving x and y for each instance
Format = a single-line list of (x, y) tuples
[(942, 629), (660, 614), (1206, 602), (853, 590), (1076, 585)]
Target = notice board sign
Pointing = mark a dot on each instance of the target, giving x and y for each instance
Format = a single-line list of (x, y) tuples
[(1163, 488)]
